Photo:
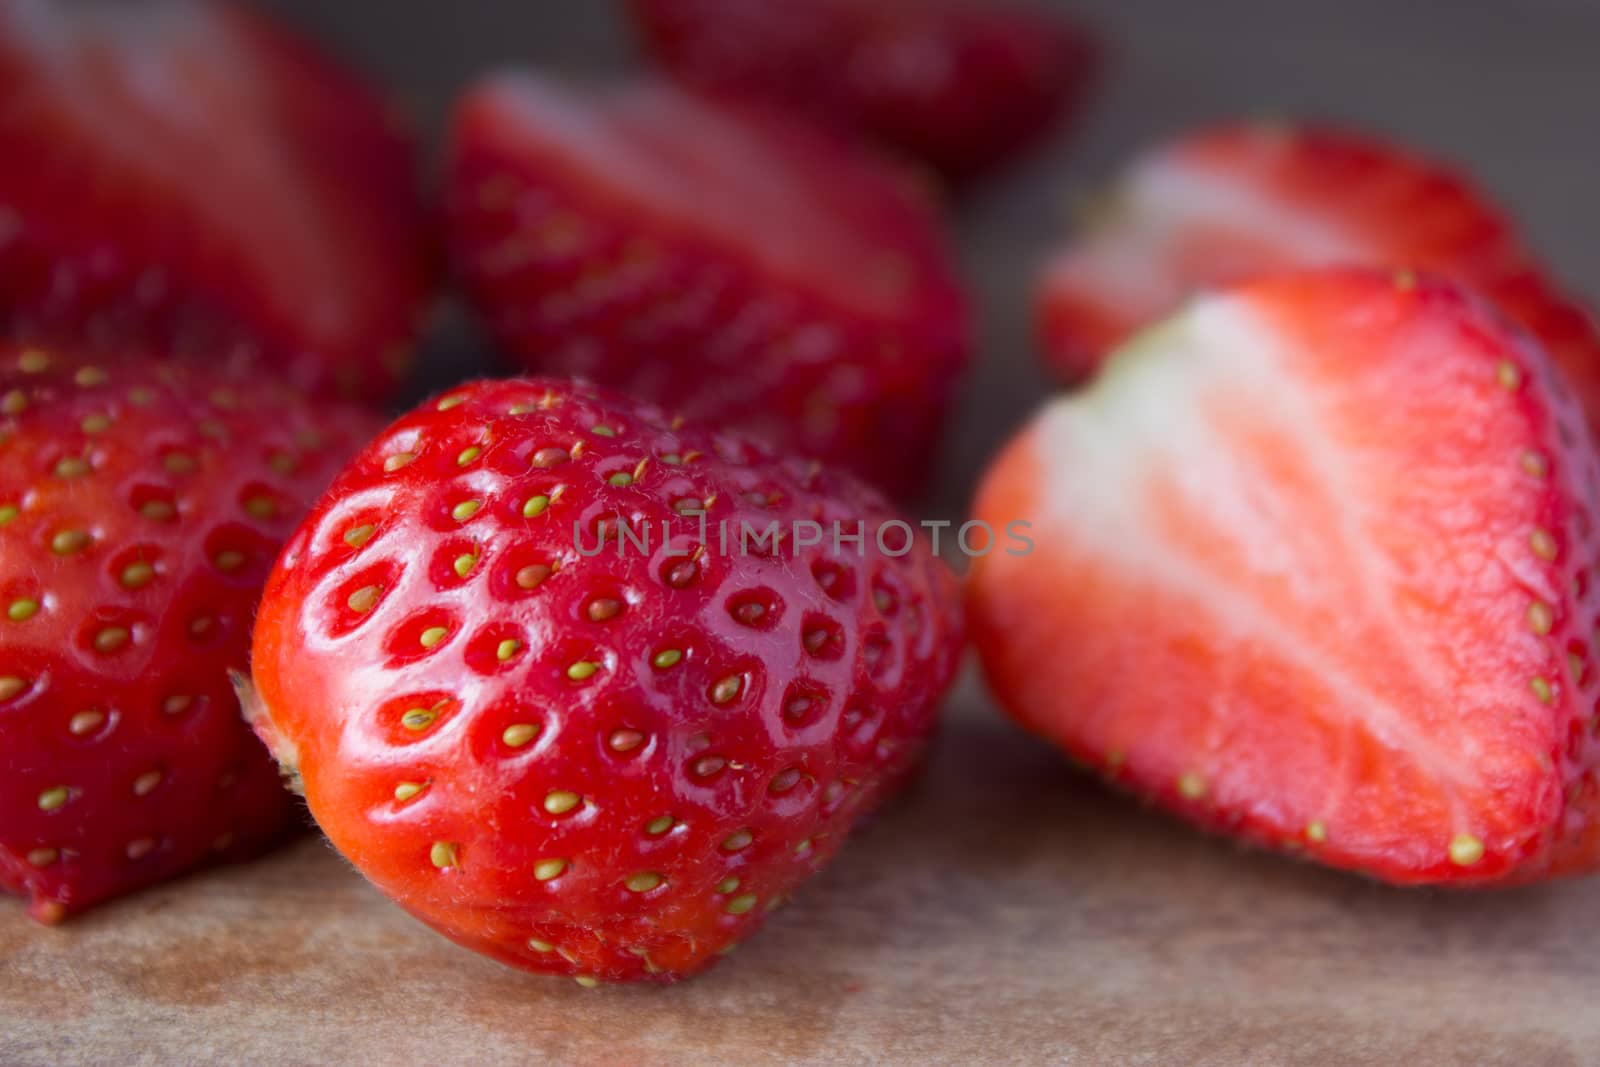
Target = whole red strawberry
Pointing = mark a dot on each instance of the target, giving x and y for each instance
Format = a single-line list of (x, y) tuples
[(141, 506), (192, 178), (1314, 564), (717, 260), (964, 87), (528, 700)]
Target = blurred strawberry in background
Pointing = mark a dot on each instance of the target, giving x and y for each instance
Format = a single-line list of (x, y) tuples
[(719, 260), (1221, 204), (193, 177), (141, 506), (962, 87)]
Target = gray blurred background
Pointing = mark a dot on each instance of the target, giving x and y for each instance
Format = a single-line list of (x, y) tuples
[(1509, 89)]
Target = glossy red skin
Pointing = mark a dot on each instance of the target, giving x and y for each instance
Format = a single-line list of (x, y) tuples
[(279, 221), (1407, 210), (334, 682), (963, 87), (218, 796), (1126, 672), (577, 271)]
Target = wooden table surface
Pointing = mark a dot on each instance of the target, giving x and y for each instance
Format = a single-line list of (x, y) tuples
[(1002, 912), (1006, 910)]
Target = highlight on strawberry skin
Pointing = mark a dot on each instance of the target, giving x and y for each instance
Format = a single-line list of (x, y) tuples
[(193, 178), (141, 505), (963, 87), (1220, 204), (717, 259), (1315, 567), (549, 714)]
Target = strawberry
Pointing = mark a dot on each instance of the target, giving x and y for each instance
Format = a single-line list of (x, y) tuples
[(529, 700), (141, 505), (193, 178), (713, 259), (1221, 204), (963, 87), (1314, 565)]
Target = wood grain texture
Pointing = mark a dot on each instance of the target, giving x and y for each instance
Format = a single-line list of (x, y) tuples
[(1004, 911), (1007, 910)]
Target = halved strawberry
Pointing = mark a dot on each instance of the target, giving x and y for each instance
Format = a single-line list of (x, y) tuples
[(715, 259), (141, 506), (1221, 204), (964, 87), (1314, 564), (192, 178)]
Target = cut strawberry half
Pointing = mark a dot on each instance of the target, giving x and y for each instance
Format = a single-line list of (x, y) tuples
[(1222, 204), (715, 259), (191, 177), (962, 87), (1314, 565)]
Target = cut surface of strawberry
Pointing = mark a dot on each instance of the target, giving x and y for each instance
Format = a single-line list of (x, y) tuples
[(1314, 565), (141, 506), (193, 178), (1222, 204), (715, 259)]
